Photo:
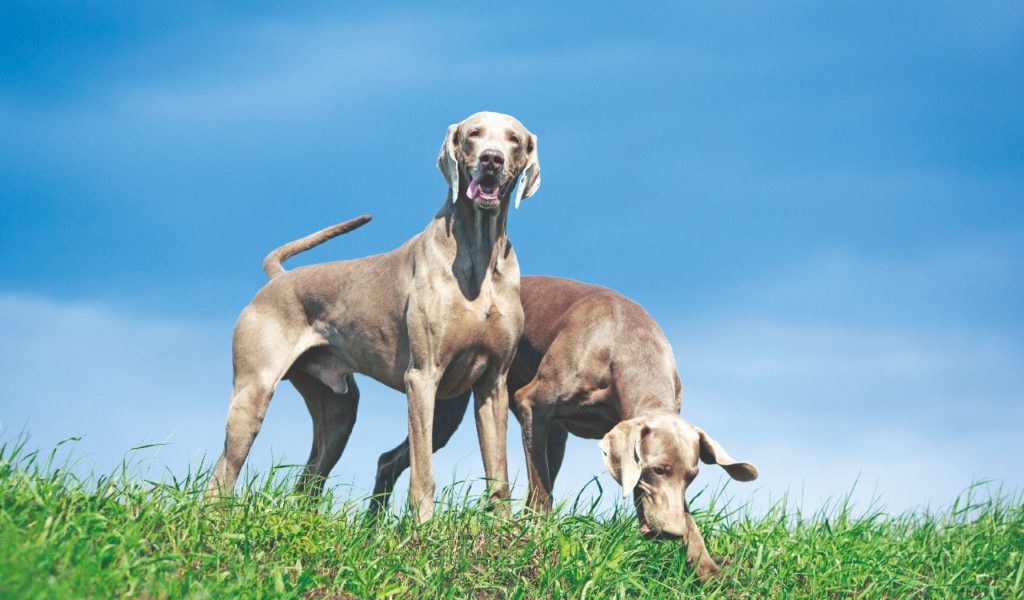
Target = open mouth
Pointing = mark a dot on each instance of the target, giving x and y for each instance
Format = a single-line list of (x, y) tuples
[(485, 191), (645, 529)]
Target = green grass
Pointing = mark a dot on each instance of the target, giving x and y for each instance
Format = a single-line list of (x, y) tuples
[(114, 536)]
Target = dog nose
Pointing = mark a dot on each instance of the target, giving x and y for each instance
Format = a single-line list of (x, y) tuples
[(492, 159)]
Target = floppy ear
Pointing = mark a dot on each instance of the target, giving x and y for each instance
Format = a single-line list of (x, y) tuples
[(711, 452), (621, 450), (446, 162), (529, 181)]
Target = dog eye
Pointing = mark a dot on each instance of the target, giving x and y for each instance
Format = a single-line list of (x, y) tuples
[(474, 133), (515, 139), (660, 470)]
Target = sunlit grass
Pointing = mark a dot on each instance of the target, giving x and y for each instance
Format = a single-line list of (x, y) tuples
[(104, 536)]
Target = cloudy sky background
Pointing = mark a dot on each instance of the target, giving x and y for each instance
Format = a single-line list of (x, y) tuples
[(822, 206)]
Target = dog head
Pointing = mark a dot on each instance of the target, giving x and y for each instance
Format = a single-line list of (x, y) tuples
[(658, 456), (482, 157)]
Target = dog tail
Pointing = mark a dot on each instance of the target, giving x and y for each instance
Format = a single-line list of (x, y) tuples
[(272, 264)]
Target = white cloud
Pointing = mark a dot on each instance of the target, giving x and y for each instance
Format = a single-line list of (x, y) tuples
[(74, 369)]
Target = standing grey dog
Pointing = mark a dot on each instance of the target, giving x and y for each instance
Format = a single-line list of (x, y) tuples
[(436, 317)]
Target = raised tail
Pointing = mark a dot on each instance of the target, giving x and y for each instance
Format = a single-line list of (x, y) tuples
[(272, 264)]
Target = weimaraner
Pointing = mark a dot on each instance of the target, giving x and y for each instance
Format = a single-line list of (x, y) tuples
[(436, 317), (594, 363)]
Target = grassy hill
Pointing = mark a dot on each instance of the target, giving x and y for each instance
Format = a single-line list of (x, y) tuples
[(114, 535)]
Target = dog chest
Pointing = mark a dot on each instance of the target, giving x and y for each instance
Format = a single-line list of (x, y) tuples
[(462, 372)]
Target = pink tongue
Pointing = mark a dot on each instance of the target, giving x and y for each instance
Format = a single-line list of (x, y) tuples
[(645, 528), (475, 191)]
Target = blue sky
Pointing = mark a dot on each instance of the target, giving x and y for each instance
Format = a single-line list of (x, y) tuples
[(823, 205)]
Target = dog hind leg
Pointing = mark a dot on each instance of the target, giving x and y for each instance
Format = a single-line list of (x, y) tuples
[(245, 417), (334, 416), (263, 352)]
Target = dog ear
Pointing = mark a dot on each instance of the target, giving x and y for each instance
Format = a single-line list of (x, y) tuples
[(529, 181), (446, 161), (711, 453), (621, 450)]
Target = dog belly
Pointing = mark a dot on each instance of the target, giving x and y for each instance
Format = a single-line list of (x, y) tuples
[(591, 430), (326, 366)]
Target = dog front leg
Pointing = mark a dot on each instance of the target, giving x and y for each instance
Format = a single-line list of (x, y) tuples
[(421, 388), (534, 420), (491, 397), (447, 417), (697, 555)]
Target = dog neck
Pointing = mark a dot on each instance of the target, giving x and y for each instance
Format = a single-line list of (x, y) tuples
[(655, 395), (479, 240)]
